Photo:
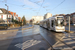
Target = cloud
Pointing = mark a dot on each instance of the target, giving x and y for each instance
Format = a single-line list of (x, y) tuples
[(28, 8), (39, 1), (47, 3), (29, 3)]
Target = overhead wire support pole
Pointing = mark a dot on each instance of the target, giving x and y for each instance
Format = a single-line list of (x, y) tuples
[(69, 26), (7, 12)]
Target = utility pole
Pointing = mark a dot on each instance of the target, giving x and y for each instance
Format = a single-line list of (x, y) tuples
[(69, 26), (7, 12)]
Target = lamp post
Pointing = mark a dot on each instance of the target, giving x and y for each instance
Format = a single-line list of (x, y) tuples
[(7, 12)]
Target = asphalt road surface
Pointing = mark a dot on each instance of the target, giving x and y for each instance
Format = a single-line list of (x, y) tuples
[(29, 39), (36, 38)]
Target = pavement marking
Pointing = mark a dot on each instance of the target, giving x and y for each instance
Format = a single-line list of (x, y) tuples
[(4, 32), (27, 44), (67, 39)]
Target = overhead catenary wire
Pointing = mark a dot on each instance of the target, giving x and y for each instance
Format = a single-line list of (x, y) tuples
[(13, 4), (58, 5), (40, 7)]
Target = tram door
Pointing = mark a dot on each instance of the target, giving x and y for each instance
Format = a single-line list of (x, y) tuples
[(48, 24), (52, 24)]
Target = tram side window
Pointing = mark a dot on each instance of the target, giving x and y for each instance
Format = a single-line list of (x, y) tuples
[(52, 23), (48, 24)]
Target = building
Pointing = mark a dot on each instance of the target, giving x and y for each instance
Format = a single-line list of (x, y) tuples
[(4, 16), (59, 15), (27, 21), (14, 15), (37, 19), (72, 18), (66, 18), (48, 15), (19, 19)]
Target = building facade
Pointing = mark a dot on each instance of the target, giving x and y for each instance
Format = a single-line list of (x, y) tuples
[(48, 15), (37, 19), (19, 19), (5, 16), (14, 15), (72, 18)]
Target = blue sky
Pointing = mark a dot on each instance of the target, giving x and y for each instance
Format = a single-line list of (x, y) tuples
[(31, 8)]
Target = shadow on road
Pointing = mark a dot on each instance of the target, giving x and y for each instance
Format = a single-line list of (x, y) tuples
[(16, 41)]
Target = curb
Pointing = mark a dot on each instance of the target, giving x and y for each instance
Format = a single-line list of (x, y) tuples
[(12, 27), (27, 28), (69, 32), (17, 29)]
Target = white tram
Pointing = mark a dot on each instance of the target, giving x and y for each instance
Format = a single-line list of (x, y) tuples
[(54, 23)]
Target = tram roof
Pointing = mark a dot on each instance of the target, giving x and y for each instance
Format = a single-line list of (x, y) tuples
[(51, 17)]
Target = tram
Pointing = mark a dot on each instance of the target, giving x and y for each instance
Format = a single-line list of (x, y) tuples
[(55, 23)]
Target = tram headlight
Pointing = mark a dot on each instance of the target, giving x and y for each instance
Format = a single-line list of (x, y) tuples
[(57, 27), (60, 28)]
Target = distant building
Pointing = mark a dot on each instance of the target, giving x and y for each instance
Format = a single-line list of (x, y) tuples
[(3, 15), (27, 21), (19, 19), (48, 15), (14, 15), (59, 15), (37, 19), (66, 18), (72, 18)]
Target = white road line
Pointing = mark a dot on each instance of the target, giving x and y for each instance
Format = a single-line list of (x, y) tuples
[(27, 44)]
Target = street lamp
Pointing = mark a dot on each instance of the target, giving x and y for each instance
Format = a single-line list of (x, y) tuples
[(7, 12)]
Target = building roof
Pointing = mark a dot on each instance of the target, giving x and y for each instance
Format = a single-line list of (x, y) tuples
[(4, 11), (19, 17), (14, 14), (72, 13), (11, 12)]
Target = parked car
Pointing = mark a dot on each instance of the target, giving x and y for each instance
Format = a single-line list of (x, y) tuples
[(3, 26)]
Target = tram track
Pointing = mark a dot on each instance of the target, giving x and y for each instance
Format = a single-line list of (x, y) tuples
[(60, 40)]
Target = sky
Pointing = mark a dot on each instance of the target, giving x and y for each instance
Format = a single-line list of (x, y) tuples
[(29, 8)]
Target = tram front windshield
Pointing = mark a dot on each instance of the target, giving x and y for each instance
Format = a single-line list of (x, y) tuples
[(60, 22)]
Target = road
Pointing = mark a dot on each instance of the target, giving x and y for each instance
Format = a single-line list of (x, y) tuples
[(36, 38), (23, 40), (13, 28)]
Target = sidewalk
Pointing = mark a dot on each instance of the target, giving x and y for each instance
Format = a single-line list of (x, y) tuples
[(16, 28), (72, 28), (68, 43)]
